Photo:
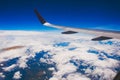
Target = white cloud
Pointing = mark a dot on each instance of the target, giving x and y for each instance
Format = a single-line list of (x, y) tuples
[(76, 76), (9, 68), (108, 63), (65, 69), (1, 65), (105, 73), (17, 75), (53, 78), (51, 69), (2, 75), (22, 62), (35, 42)]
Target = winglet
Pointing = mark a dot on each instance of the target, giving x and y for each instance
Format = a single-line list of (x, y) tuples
[(42, 20)]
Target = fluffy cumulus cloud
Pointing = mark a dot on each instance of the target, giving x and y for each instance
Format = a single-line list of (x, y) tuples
[(17, 75), (75, 56), (2, 75), (9, 68)]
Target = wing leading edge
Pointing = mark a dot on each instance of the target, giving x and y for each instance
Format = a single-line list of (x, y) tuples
[(104, 34)]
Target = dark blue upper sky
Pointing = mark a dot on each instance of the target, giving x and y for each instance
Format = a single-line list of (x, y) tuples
[(19, 14)]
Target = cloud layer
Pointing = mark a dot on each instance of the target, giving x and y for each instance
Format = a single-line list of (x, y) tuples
[(75, 56)]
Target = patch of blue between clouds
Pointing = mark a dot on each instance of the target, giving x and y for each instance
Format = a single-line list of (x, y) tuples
[(62, 44), (108, 42), (36, 70), (93, 51), (10, 62), (71, 49), (116, 57), (101, 54), (82, 66)]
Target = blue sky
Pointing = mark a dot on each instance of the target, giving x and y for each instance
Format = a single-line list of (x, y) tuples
[(19, 14)]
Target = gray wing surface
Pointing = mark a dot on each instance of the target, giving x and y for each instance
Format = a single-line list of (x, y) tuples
[(103, 34)]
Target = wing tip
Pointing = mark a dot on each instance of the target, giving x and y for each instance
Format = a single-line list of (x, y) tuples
[(41, 19)]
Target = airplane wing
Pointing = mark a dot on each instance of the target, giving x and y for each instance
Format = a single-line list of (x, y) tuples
[(102, 34)]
